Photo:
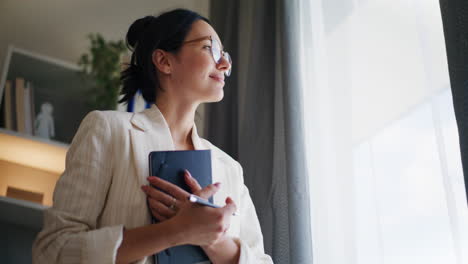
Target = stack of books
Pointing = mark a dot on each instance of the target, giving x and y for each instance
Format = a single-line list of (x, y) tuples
[(18, 106)]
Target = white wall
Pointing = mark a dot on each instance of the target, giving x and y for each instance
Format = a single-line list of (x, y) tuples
[(59, 28)]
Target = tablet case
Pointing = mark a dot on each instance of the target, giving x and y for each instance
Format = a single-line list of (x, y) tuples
[(170, 166)]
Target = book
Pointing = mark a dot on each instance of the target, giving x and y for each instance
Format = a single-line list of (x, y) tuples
[(170, 166), (8, 106), (28, 106), (20, 100), (19, 89), (14, 125)]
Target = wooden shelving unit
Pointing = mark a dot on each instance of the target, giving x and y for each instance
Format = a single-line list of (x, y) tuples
[(30, 163)]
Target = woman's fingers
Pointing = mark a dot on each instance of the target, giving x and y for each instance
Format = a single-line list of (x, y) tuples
[(169, 188), (192, 182), (159, 196), (230, 207), (157, 215), (209, 190), (161, 208)]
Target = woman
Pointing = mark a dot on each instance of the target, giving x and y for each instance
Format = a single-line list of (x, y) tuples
[(100, 210)]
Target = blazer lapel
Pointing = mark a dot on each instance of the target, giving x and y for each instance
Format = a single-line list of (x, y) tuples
[(150, 132)]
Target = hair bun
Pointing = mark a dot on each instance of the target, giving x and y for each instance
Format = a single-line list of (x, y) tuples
[(136, 30)]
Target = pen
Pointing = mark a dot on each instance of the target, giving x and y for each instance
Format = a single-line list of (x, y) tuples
[(197, 199)]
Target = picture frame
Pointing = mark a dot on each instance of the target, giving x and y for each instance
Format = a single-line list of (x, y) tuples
[(42, 96)]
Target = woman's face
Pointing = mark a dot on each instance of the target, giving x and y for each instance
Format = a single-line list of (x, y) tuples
[(194, 74)]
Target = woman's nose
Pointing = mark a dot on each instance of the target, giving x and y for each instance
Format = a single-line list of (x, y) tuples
[(223, 64)]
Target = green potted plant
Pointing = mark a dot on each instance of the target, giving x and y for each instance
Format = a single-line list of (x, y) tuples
[(101, 67)]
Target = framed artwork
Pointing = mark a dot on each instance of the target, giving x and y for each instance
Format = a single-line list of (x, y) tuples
[(42, 96)]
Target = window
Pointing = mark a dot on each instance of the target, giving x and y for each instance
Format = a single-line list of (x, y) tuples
[(407, 176), (382, 146)]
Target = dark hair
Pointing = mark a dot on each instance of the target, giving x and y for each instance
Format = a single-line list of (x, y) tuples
[(166, 32)]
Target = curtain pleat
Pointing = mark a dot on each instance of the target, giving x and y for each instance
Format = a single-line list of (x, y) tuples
[(455, 21)]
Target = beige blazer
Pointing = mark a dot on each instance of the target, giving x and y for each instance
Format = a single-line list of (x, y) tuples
[(99, 192)]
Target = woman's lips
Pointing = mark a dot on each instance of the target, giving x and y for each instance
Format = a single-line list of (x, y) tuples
[(217, 78)]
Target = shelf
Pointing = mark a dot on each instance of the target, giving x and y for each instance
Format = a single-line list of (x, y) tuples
[(31, 151), (30, 163), (34, 138)]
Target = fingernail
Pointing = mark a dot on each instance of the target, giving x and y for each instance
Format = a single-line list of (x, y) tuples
[(217, 184), (188, 174)]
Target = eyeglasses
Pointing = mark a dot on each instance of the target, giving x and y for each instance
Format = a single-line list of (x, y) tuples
[(216, 52)]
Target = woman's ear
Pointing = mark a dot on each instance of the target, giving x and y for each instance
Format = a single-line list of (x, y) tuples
[(161, 61)]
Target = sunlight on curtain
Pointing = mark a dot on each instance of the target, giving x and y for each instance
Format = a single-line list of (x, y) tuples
[(382, 143)]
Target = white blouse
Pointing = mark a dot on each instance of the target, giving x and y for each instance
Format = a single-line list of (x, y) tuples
[(99, 192)]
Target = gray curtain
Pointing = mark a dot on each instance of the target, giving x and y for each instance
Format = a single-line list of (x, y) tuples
[(455, 20), (258, 120)]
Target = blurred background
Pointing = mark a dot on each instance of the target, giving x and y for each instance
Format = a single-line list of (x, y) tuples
[(348, 117)]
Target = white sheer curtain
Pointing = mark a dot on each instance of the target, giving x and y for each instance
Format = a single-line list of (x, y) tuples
[(386, 180)]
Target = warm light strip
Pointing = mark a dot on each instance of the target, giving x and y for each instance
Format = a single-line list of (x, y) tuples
[(32, 153)]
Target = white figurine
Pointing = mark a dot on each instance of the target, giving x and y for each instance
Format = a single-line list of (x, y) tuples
[(44, 123)]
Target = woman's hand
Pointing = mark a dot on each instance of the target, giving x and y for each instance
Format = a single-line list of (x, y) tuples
[(203, 225), (165, 204), (222, 217)]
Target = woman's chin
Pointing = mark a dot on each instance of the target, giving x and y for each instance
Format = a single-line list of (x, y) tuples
[(212, 95), (216, 97)]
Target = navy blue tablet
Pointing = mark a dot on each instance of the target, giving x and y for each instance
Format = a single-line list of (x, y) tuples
[(170, 166)]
